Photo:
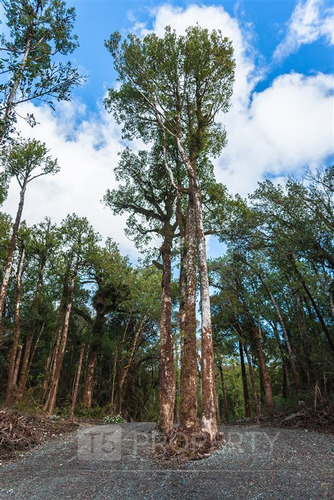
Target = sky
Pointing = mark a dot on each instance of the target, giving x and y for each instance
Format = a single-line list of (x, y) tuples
[(280, 122)]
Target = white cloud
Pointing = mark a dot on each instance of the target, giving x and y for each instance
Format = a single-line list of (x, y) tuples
[(282, 129), (288, 126), (87, 154), (310, 21), (212, 17)]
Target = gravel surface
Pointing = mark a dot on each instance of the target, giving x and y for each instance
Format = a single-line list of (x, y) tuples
[(115, 462)]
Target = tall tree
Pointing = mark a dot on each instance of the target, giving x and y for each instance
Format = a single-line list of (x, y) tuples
[(109, 273), (39, 32), (26, 161), (15, 352), (45, 239), (79, 237), (147, 196), (175, 86)]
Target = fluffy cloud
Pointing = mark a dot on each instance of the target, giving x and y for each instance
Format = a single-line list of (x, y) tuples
[(86, 147), (310, 21), (277, 131), (281, 129), (287, 126)]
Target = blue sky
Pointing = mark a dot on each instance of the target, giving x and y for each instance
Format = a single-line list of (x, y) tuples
[(267, 22), (280, 122)]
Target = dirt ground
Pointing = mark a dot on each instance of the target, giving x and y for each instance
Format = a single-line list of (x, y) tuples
[(117, 462)]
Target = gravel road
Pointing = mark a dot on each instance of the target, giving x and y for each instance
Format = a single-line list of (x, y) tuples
[(115, 462)]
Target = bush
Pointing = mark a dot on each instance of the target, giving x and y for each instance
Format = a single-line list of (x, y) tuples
[(115, 419)]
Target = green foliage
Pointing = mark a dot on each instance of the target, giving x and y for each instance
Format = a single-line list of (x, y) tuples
[(40, 32), (27, 160), (174, 74), (145, 193), (170, 89), (280, 242), (115, 419), (151, 69), (3, 187)]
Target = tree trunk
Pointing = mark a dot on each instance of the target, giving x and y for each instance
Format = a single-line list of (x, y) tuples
[(47, 373), (31, 358), (222, 379), (252, 379), (189, 375), (99, 304), (11, 250), (317, 311), (58, 361), (325, 285), (27, 358), (11, 96), (129, 364), (77, 380), (24, 367), (286, 336), (89, 377), (250, 368), (166, 371), (17, 364), (11, 384), (209, 417), (265, 376), (244, 382), (114, 373), (286, 380), (307, 348)]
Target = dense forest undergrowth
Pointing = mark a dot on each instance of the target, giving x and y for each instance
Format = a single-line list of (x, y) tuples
[(84, 333)]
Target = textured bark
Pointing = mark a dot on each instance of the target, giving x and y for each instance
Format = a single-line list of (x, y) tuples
[(11, 250), (189, 375), (58, 361), (24, 367), (286, 389), (89, 378), (244, 382), (177, 364), (209, 416), (286, 336), (17, 364), (286, 380), (100, 307), (129, 364), (325, 285), (263, 368), (166, 370), (306, 345), (317, 311), (114, 373), (33, 352), (47, 373), (11, 383), (223, 383), (209, 397), (14, 88), (27, 358), (252, 379), (77, 380)]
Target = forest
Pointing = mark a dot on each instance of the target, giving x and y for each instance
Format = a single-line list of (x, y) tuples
[(177, 338)]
